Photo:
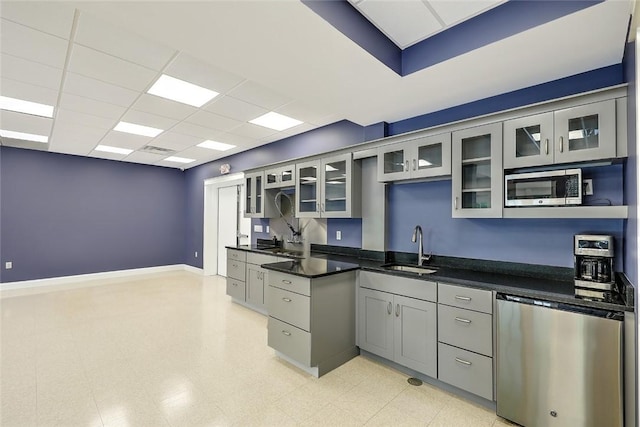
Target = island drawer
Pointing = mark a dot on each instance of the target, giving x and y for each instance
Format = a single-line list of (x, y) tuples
[(236, 255), (289, 282), (289, 340), (236, 289), (289, 307), (469, 298), (236, 269)]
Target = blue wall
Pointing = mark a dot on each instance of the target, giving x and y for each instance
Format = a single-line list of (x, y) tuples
[(327, 138), (65, 215)]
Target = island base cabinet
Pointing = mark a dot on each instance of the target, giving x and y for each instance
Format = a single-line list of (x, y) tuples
[(466, 370), (289, 340), (236, 289)]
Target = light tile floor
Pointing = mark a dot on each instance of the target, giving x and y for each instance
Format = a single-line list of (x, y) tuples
[(173, 350)]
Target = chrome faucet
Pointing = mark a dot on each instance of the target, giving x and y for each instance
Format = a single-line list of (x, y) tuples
[(417, 233)]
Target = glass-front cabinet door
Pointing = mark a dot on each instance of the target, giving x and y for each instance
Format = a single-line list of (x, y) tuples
[(283, 176), (254, 192), (307, 189), (528, 141), (421, 157), (477, 172), (585, 132), (336, 186)]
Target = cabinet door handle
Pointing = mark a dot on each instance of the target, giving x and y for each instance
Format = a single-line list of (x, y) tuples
[(462, 298), (389, 308), (235, 284), (546, 146), (406, 165), (397, 310), (286, 299), (286, 282), (287, 333), (317, 207), (414, 164), (464, 362), (460, 319), (561, 144)]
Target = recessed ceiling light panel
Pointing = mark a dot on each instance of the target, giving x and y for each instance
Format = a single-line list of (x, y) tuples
[(28, 107), (23, 136), (275, 121), (179, 159), (178, 90), (110, 149), (214, 145), (137, 129)]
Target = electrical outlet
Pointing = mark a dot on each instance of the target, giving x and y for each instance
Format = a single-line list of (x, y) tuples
[(8, 265), (196, 254), (267, 229), (338, 235), (588, 187)]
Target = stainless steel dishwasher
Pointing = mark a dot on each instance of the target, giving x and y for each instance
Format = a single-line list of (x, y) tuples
[(558, 364)]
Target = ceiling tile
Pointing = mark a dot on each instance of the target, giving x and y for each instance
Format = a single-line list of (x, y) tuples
[(145, 158), (213, 121), (18, 143), (199, 153), (31, 44), (91, 88), (22, 70), (77, 149), (74, 117), (301, 111), (28, 92), (405, 22), (75, 137), (194, 71), (259, 95), (455, 12), (236, 109), (27, 123), (81, 104), (125, 140), (116, 41), (237, 140), (107, 156), (175, 141), (163, 107), (249, 130), (195, 130), (110, 69), (51, 17), (146, 119), (304, 127)]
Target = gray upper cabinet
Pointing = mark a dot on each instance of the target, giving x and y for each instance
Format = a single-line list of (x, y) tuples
[(280, 177), (581, 133), (423, 157), (476, 173), (326, 188)]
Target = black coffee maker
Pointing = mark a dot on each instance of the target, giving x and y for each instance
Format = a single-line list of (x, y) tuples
[(594, 266)]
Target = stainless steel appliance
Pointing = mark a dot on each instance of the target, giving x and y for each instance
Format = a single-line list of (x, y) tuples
[(558, 364), (549, 188), (594, 264)]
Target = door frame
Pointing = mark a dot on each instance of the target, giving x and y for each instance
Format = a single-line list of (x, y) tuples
[(210, 226)]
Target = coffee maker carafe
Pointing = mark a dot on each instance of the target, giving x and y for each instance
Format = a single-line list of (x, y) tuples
[(594, 266)]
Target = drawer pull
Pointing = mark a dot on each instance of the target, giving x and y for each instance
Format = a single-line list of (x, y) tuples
[(463, 298), (464, 362), (286, 282), (286, 299), (460, 319), (287, 333)]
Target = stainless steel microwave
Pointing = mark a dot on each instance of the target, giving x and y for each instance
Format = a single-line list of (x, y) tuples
[(548, 188)]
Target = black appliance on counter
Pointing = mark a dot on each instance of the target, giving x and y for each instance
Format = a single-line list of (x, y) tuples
[(594, 275)]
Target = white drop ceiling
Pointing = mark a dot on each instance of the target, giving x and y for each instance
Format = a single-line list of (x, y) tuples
[(94, 61)]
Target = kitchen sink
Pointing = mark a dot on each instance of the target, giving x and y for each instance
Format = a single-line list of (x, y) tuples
[(409, 268)]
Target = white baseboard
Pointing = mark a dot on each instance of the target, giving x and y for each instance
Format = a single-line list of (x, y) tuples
[(70, 280)]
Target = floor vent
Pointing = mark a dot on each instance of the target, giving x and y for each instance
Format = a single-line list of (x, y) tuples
[(156, 150), (415, 381)]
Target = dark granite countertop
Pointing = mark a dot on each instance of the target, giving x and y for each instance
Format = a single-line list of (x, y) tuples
[(553, 284)]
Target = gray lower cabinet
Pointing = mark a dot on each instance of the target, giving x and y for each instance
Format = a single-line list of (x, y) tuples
[(312, 320), (246, 280), (400, 328), (465, 339)]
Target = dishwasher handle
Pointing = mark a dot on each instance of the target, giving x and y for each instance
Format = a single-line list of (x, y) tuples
[(589, 311)]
